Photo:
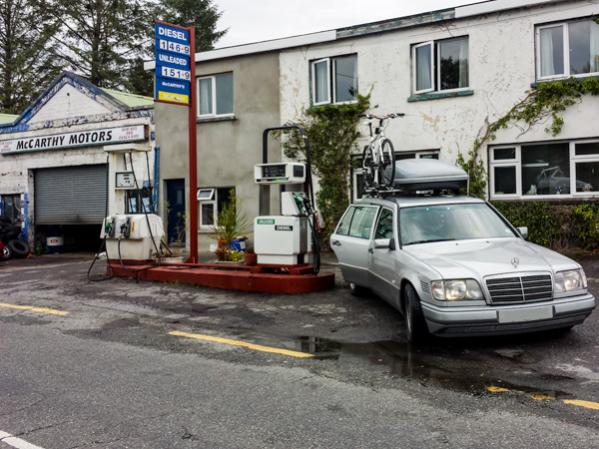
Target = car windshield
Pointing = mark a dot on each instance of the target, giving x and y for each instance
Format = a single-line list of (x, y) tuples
[(448, 222)]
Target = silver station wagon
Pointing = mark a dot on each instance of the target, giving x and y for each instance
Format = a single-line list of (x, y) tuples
[(453, 265)]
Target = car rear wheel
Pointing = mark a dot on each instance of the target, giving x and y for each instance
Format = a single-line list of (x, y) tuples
[(357, 290), (6, 253), (416, 330)]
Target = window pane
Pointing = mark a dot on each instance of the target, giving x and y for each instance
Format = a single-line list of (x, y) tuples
[(505, 180), (346, 78), (587, 149), (454, 63), (362, 222), (504, 153), (384, 229), (587, 177), (224, 93), (207, 214), (223, 197), (206, 96), (584, 47), (546, 169), (343, 228), (359, 186), (321, 82), (403, 156), (424, 80), (552, 51)]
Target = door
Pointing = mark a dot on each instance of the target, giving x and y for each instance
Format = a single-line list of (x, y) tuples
[(70, 195), (382, 263), (351, 241), (175, 206)]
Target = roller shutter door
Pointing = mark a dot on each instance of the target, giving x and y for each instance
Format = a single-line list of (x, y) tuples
[(70, 195)]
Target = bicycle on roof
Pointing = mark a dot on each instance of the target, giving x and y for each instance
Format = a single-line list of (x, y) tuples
[(378, 158)]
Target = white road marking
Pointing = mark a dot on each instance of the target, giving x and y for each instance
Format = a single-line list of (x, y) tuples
[(18, 443)]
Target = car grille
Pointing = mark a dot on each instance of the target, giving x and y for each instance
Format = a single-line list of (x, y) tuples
[(509, 290)]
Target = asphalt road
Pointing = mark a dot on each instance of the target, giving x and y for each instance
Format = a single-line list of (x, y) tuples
[(93, 365)]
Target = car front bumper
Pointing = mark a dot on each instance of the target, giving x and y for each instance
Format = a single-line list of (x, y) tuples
[(503, 320)]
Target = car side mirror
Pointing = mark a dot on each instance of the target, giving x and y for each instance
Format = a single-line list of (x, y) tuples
[(384, 244), (523, 232)]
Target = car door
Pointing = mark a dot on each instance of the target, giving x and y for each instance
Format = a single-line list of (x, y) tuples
[(382, 263), (351, 241)]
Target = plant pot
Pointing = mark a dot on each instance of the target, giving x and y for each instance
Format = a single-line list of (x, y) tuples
[(250, 259)]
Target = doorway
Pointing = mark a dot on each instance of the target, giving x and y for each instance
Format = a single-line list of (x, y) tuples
[(175, 206)]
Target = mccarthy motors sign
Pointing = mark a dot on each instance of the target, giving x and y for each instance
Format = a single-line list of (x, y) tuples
[(109, 136)]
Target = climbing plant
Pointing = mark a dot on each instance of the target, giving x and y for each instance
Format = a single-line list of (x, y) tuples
[(333, 132), (545, 101)]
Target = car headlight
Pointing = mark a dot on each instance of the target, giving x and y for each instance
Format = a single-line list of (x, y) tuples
[(569, 281), (456, 290)]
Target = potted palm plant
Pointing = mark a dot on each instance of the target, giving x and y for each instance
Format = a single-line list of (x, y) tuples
[(232, 223)]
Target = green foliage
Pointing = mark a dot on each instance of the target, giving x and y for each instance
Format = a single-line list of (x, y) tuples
[(203, 14), (545, 101), (476, 172), (232, 222), (27, 44), (333, 132), (553, 225), (586, 220)]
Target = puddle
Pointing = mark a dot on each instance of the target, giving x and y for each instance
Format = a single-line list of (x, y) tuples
[(452, 366)]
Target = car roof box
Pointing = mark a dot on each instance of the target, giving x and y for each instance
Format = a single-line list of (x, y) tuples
[(428, 174)]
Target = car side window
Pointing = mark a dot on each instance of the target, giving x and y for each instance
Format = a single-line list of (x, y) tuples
[(343, 228), (384, 228), (362, 222)]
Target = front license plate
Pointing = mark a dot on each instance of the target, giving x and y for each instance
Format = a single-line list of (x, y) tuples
[(528, 314)]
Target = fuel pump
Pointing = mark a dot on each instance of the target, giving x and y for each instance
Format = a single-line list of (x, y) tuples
[(290, 238)]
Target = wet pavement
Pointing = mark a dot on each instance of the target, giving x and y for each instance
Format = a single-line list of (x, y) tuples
[(358, 342)]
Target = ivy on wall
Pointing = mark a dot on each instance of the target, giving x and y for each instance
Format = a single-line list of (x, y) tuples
[(333, 133), (545, 101)]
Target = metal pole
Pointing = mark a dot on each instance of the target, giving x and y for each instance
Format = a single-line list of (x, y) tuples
[(193, 157)]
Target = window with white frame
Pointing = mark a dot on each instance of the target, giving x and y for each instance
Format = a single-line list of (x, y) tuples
[(212, 201), (545, 170), (441, 65), (215, 95), (568, 49), (334, 80), (358, 173)]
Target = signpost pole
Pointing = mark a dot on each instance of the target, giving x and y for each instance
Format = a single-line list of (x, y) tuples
[(193, 156)]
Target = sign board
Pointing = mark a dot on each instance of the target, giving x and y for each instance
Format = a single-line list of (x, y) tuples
[(87, 138), (173, 64), (125, 180)]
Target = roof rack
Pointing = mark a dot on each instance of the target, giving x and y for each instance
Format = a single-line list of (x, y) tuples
[(417, 176)]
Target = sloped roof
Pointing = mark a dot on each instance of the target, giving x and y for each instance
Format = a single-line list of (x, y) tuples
[(7, 118), (130, 100)]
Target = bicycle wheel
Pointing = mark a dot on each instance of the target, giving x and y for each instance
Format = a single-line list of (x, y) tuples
[(387, 168), (368, 165)]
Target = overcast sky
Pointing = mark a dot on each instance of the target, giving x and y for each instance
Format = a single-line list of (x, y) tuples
[(258, 20)]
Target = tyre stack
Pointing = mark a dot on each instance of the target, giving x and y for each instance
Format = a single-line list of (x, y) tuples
[(12, 244)]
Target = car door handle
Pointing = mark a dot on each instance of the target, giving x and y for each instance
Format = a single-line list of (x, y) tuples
[(371, 250), (336, 243)]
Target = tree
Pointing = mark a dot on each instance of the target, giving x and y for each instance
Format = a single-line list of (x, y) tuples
[(202, 14), (26, 52), (100, 38)]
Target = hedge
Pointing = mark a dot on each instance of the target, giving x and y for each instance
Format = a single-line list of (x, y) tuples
[(557, 226)]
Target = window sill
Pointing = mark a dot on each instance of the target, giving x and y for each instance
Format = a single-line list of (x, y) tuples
[(565, 78), (222, 118), (440, 95)]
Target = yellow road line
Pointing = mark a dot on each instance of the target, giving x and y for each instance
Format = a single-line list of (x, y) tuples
[(544, 397), (585, 404), (42, 310), (242, 344)]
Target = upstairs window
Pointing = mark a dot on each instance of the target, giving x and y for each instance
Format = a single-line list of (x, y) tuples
[(334, 80), (568, 49), (215, 95), (441, 65)]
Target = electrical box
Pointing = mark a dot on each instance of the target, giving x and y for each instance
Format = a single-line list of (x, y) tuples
[(280, 173), (281, 240), (132, 237)]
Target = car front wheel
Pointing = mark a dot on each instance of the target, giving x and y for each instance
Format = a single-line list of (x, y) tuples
[(416, 330)]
